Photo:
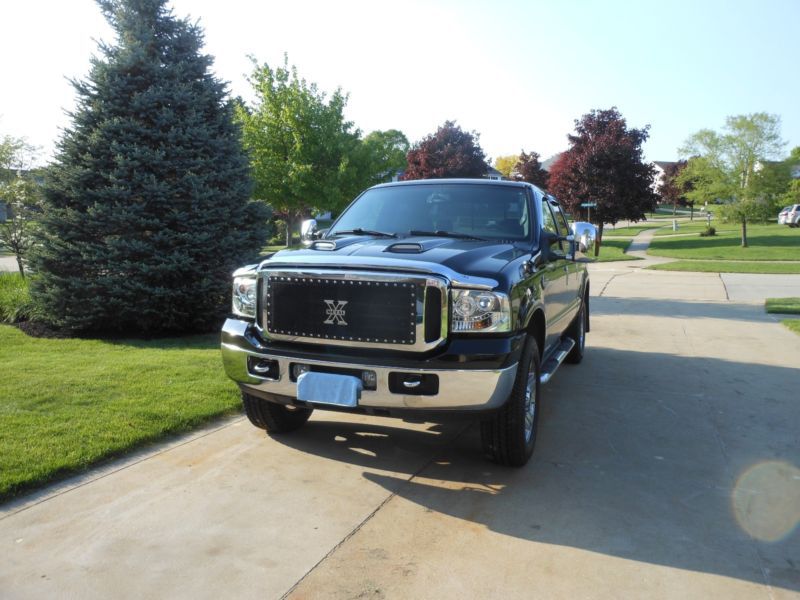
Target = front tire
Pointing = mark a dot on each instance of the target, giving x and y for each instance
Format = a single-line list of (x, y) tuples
[(510, 436), (274, 417)]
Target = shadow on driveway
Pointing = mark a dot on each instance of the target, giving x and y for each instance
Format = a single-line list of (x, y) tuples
[(679, 309), (632, 461)]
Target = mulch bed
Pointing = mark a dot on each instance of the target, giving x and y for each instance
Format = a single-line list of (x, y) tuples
[(39, 330)]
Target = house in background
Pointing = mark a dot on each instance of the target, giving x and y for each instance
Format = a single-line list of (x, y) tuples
[(661, 167), (494, 174)]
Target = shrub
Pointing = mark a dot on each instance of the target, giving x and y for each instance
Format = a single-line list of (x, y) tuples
[(708, 232), (15, 300)]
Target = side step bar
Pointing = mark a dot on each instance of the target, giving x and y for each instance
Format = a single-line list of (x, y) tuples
[(552, 364)]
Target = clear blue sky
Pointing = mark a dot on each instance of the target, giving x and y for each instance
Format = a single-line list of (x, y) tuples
[(519, 73)]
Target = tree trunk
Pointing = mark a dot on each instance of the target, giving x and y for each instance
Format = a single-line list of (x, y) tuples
[(289, 225), (744, 232), (674, 208), (21, 267), (599, 240), (691, 215)]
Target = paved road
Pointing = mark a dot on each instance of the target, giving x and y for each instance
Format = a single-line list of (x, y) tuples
[(8, 263), (667, 466)]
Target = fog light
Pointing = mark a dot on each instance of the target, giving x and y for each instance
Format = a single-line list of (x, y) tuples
[(369, 379), (298, 369)]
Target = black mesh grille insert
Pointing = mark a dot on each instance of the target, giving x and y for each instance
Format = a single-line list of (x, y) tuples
[(364, 311)]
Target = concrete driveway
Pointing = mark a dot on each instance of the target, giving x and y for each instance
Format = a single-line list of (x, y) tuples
[(667, 466)]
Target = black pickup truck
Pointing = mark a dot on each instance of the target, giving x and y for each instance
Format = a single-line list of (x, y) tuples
[(423, 300)]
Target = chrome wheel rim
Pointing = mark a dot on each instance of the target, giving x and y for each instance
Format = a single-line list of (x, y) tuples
[(530, 405), (582, 331)]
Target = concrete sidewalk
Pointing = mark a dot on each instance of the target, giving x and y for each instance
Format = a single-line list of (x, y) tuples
[(628, 279)]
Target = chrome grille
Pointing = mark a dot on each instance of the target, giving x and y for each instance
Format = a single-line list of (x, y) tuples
[(365, 309)]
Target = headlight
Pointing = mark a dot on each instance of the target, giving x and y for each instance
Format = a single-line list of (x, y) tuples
[(244, 296), (474, 310)]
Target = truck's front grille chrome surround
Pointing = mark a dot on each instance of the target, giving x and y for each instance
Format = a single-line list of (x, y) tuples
[(353, 308)]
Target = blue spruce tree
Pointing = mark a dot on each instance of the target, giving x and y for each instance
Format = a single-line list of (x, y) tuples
[(148, 204)]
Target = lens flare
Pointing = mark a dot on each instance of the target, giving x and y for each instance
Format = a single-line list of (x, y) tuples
[(766, 500)]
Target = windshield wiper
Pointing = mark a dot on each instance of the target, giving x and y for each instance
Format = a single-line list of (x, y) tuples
[(450, 234), (359, 231)]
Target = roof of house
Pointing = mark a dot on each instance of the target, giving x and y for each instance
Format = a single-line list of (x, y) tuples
[(664, 164), (549, 162), (492, 171)]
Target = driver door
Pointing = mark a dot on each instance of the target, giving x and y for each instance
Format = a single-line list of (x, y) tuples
[(554, 280)]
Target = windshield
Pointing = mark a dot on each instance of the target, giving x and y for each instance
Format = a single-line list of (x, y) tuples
[(480, 211)]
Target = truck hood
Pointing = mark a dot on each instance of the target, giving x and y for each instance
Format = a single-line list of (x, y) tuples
[(472, 259)]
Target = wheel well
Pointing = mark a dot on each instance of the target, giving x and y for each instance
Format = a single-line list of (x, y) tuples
[(536, 328), (586, 306)]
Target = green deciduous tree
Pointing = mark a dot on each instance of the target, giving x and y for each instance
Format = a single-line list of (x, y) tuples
[(304, 155), (147, 206), (377, 158), (18, 232), (15, 154), (726, 165), (791, 192), (387, 152), (19, 198)]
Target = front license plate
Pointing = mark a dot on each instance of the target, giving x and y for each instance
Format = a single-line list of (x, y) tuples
[(329, 388)]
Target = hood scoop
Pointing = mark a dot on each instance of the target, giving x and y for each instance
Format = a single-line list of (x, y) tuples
[(406, 248), (324, 245), (412, 247)]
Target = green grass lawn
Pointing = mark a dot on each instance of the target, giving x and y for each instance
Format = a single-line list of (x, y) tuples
[(666, 211), (785, 306), (66, 404), (767, 242), (632, 230), (793, 324), (696, 226), (278, 247), (732, 266), (613, 250)]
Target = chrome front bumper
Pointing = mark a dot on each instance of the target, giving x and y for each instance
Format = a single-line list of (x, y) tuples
[(459, 389)]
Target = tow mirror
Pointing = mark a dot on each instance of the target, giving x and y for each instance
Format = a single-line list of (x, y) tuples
[(585, 235), (308, 231)]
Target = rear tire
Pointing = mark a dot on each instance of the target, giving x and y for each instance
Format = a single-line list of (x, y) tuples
[(510, 436), (274, 417)]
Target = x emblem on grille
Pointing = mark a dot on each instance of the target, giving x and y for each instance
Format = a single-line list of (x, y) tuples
[(335, 312)]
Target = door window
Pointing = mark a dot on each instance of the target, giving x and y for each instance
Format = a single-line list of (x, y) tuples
[(550, 225)]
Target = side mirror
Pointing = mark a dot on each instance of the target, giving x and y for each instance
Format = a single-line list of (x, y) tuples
[(585, 235), (549, 239), (308, 231)]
